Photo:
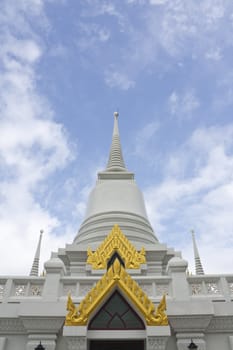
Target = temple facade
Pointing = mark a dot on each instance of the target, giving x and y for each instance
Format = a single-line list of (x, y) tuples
[(116, 286)]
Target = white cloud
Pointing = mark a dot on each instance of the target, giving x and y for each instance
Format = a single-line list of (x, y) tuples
[(201, 199), (93, 36), (141, 2), (189, 27), (213, 10), (118, 80), (180, 30), (158, 2), (183, 105), (102, 8), (23, 50), (144, 137), (32, 144), (224, 93), (214, 54), (160, 33)]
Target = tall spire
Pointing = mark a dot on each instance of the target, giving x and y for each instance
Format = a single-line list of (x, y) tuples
[(35, 265), (198, 264), (116, 161), (115, 198)]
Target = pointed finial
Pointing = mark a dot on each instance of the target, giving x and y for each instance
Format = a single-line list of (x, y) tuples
[(198, 264), (116, 161), (36, 261)]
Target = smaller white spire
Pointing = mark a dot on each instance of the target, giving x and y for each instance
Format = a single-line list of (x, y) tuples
[(36, 261), (198, 264), (116, 161)]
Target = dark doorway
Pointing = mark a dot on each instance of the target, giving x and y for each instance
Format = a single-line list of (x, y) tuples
[(116, 345)]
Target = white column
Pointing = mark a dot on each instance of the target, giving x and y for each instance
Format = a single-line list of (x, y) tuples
[(177, 270), (231, 341), (76, 337), (2, 343), (156, 343), (55, 269), (76, 343), (157, 337)]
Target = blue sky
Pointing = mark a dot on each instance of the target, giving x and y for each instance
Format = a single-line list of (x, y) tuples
[(65, 67)]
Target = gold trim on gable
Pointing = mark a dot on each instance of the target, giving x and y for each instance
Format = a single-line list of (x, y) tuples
[(116, 241), (116, 276)]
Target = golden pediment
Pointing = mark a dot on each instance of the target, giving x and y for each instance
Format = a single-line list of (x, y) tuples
[(116, 241), (116, 277)]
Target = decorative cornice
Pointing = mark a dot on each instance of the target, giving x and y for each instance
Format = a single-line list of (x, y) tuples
[(116, 241), (11, 326), (221, 324), (184, 323), (45, 324), (116, 276)]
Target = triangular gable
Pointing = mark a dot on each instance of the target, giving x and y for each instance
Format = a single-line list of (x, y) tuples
[(116, 276), (116, 314), (116, 241)]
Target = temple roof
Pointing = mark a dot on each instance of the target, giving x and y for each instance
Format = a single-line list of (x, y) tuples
[(116, 276)]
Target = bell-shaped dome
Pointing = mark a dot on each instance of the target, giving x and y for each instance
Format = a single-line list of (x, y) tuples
[(116, 199)]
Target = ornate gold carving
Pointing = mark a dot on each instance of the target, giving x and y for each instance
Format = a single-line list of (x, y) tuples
[(116, 277), (116, 242), (161, 316), (72, 312)]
